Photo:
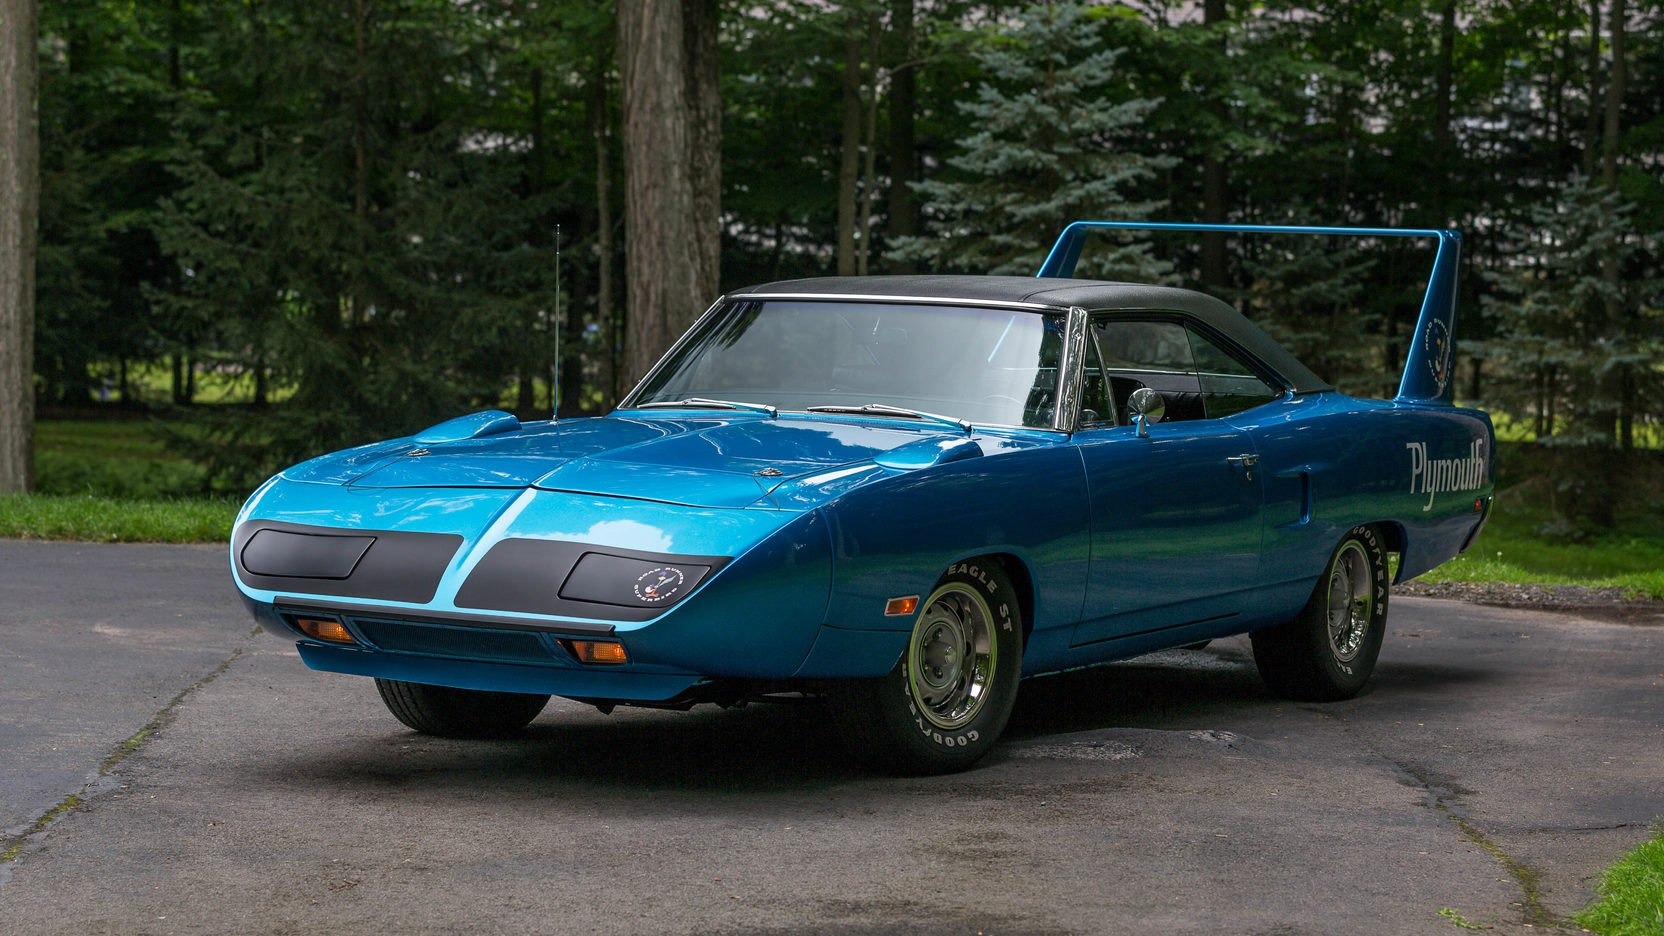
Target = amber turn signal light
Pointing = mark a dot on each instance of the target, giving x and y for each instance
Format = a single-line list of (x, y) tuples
[(599, 651), (324, 629), (897, 607)]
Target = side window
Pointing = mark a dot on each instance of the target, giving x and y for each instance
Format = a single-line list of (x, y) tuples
[(1228, 386), (1150, 354)]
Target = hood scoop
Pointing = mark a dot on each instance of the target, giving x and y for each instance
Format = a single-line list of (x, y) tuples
[(472, 426), (927, 453)]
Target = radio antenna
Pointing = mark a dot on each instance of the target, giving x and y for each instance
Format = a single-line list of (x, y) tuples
[(554, 387)]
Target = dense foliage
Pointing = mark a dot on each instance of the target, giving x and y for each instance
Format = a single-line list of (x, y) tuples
[(351, 208)]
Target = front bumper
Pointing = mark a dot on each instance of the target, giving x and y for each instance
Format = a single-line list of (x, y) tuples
[(500, 609)]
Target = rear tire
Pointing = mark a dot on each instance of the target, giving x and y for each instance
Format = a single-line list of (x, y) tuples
[(944, 705), (459, 713), (1328, 652)]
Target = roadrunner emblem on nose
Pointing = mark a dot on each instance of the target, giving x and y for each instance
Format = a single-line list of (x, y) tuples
[(656, 585)]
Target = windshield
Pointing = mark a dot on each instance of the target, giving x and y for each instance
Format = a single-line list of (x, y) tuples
[(984, 365)]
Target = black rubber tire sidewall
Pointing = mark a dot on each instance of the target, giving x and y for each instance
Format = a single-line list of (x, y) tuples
[(459, 713), (880, 721), (1297, 660)]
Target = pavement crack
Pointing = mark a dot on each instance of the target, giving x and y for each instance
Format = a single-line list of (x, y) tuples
[(1444, 796), (12, 847)]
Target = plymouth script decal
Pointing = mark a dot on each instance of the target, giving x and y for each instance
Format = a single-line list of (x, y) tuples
[(1434, 476)]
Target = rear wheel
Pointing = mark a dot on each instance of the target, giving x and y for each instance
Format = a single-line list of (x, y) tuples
[(1328, 652), (944, 705), (459, 713)]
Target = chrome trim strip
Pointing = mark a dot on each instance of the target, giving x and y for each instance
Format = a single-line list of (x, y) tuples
[(1069, 370), (284, 603), (908, 300)]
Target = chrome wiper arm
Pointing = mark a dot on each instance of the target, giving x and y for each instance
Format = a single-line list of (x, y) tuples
[(772, 412), (885, 409)]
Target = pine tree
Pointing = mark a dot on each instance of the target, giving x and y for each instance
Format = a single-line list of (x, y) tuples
[(347, 231), (1053, 144), (1560, 359)]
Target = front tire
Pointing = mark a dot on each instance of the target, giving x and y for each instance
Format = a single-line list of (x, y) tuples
[(459, 713), (944, 705), (1328, 652)]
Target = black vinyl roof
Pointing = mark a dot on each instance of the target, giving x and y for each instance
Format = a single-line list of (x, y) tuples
[(1091, 295)]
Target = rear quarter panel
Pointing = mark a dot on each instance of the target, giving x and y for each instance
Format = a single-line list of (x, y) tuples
[(1332, 462)]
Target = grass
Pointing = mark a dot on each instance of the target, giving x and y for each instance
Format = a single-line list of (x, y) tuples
[(96, 519), (152, 382), (110, 458), (1631, 895), (1511, 551), (113, 481), (1515, 549)]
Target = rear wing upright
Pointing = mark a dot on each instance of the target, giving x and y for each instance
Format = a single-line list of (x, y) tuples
[(1427, 366)]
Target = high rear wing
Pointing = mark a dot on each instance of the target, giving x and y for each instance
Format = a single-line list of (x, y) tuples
[(1427, 367)]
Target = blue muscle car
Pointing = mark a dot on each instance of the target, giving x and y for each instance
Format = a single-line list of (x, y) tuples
[(898, 494)]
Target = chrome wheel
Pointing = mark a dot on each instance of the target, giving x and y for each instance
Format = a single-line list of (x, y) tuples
[(1328, 651), (1351, 601), (949, 695), (951, 657)]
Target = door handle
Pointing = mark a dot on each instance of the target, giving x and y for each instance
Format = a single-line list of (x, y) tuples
[(1246, 463)]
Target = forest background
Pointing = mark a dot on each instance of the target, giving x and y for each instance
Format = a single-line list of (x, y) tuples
[(278, 227)]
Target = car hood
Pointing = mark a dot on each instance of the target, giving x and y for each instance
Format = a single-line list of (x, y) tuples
[(708, 461)]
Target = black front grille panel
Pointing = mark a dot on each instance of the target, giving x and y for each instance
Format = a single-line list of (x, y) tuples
[(473, 643)]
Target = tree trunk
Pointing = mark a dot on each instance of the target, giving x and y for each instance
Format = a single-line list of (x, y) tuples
[(704, 100), (1215, 195), (19, 207), (360, 156), (849, 149), (604, 316), (1591, 127), (903, 206), (1616, 314), (869, 171), (566, 362), (1443, 140), (531, 357), (672, 173)]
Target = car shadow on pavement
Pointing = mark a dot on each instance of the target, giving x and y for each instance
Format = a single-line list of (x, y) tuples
[(1169, 690), (782, 748), (1189, 689), (757, 748)]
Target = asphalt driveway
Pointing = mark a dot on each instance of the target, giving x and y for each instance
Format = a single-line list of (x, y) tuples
[(203, 781)]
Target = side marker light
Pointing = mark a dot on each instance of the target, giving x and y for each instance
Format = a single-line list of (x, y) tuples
[(897, 607), (599, 651), (324, 629)]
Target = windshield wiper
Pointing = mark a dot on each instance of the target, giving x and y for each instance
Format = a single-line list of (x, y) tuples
[(703, 403), (884, 409)]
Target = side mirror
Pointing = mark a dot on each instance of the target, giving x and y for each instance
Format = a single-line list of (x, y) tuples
[(1146, 407)]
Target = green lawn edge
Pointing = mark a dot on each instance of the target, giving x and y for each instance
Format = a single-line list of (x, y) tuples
[(1631, 894), (91, 518)]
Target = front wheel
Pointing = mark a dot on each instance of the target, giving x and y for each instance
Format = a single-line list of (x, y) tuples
[(1328, 652), (459, 713), (944, 705)]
